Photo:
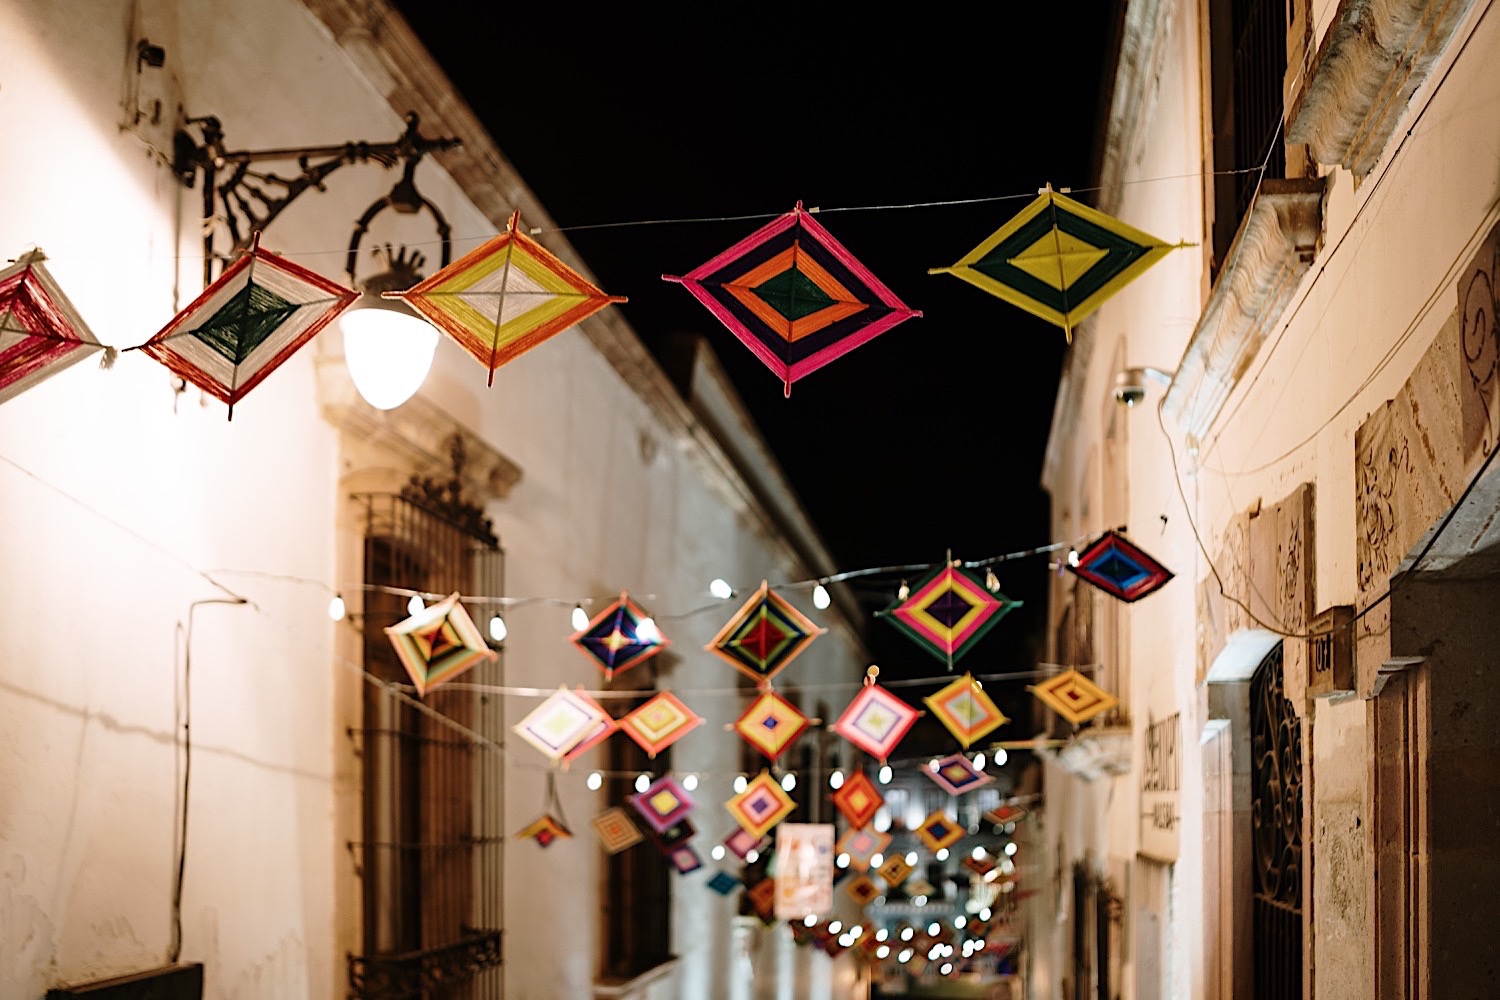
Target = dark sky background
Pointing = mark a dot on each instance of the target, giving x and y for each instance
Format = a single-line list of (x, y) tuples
[(928, 438)]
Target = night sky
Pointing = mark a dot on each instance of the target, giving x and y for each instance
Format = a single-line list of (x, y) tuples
[(927, 439)]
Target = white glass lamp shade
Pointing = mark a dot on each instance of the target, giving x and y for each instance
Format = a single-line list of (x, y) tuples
[(388, 349)]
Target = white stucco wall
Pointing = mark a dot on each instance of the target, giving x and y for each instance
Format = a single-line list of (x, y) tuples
[(118, 494)]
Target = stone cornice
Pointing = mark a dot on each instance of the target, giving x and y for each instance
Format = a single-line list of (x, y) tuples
[(1273, 249), (1374, 56), (1137, 69)]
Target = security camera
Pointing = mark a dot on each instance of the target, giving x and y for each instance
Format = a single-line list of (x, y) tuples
[(1130, 384)]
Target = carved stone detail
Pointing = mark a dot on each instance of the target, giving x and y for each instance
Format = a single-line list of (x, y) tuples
[(1374, 56), (1479, 341), (1283, 581), (1273, 249)]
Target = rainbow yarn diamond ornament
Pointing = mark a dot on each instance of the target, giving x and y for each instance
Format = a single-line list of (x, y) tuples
[(965, 710), (938, 831), (664, 803), (1074, 697), (660, 722), (505, 297), (438, 643), (620, 636), (760, 806), (764, 636), (861, 846), (858, 799), (875, 720), (1118, 567), (956, 774), (794, 296), (771, 724), (615, 830), (563, 720), (948, 611)]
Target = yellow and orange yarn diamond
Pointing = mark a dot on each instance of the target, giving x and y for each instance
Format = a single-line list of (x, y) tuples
[(966, 710), (760, 806), (1074, 697)]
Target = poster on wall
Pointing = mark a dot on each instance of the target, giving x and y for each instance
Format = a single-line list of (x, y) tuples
[(1161, 788), (804, 870)]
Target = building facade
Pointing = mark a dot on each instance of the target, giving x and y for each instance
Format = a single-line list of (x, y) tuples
[(1292, 799), (200, 766)]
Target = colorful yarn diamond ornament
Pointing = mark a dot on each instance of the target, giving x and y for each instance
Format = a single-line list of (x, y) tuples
[(660, 722), (40, 331), (894, 870), (1074, 697), (552, 825), (1005, 813), (438, 643), (1118, 567), (663, 803), (723, 883), (966, 711), (674, 836), (615, 639), (794, 296), (938, 831), (615, 830), (760, 806), (771, 724), (764, 636), (1059, 259), (685, 859), (255, 316), (505, 297), (562, 721), (858, 799), (744, 843), (861, 846), (876, 720), (862, 889), (948, 611), (956, 774)]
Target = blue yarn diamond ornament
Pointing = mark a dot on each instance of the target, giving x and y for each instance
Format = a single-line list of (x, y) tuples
[(1116, 566)]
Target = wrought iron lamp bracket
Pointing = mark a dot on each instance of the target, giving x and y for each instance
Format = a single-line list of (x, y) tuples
[(245, 200)]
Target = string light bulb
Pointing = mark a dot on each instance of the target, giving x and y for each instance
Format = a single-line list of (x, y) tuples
[(498, 631), (336, 609), (788, 781), (1010, 849), (596, 781), (752, 856), (942, 854), (690, 783), (821, 600), (979, 762), (809, 920), (877, 859), (415, 605), (903, 591), (642, 782), (646, 630), (885, 774), (717, 853), (740, 784), (1073, 558), (836, 780), (835, 927), (911, 858), (580, 618), (721, 589), (991, 581), (1001, 757)]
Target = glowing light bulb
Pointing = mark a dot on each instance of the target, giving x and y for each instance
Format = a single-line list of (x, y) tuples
[(903, 591), (834, 927), (906, 933), (690, 782), (882, 951), (959, 921), (788, 781), (856, 930), (882, 820), (946, 968), (596, 781), (882, 934), (932, 930), (336, 609), (740, 784), (905, 956), (932, 765), (580, 618), (1073, 557), (836, 780), (646, 630), (821, 600), (842, 861), (642, 782), (809, 920), (752, 856), (984, 914), (1001, 757), (942, 854), (415, 605), (979, 762), (717, 853), (885, 774), (979, 853), (498, 631), (721, 589), (911, 857), (876, 860), (1010, 849)]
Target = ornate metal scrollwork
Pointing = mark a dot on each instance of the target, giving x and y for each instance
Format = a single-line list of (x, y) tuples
[(387, 977)]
